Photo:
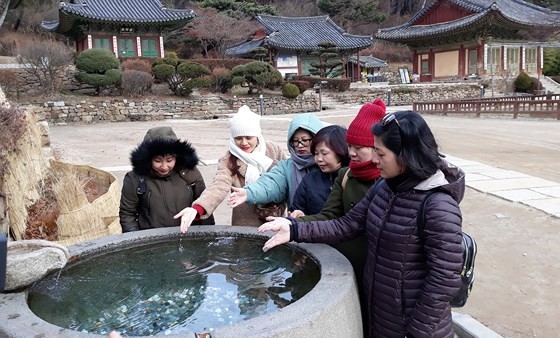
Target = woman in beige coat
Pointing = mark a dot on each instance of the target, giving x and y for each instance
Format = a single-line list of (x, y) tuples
[(248, 157)]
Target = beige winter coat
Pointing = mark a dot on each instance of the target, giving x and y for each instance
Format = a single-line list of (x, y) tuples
[(220, 188)]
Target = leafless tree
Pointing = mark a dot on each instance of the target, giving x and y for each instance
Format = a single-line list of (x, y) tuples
[(216, 31), (45, 60)]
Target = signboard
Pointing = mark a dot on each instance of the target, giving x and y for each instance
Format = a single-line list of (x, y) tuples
[(286, 61), (404, 75)]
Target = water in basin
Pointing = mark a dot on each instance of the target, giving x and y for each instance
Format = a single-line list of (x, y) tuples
[(172, 287)]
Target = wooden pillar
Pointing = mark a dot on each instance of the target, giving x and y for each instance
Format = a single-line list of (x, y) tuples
[(432, 65), (462, 58), (299, 64), (415, 62)]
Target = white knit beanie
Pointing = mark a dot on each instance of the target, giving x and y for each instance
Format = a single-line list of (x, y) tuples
[(245, 123)]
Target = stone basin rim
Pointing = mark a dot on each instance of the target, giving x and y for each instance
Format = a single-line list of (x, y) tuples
[(336, 286)]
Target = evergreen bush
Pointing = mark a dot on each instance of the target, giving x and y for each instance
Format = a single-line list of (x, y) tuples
[(183, 77), (290, 91), (98, 68), (523, 83), (96, 61)]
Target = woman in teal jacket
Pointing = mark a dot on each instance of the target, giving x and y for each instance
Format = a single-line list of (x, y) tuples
[(280, 184)]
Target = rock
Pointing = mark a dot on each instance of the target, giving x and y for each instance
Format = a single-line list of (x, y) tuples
[(30, 260)]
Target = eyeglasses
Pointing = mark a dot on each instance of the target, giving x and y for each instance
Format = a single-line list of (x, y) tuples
[(388, 119), (304, 142)]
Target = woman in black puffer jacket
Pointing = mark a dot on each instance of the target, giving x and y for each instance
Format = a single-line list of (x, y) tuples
[(409, 278)]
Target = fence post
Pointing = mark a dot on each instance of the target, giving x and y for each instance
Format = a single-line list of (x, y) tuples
[(515, 109)]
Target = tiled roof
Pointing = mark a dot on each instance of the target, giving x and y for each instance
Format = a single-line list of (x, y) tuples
[(244, 48), (368, 61), (121, 11), (509, 13), (305, 33)]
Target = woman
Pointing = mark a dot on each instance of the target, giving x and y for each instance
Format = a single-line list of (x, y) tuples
[(409, 278), (164, 178), (280, 184), (330, 153), (351, 186), (248, 157)]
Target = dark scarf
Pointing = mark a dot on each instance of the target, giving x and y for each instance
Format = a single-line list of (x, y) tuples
[(364, 171)]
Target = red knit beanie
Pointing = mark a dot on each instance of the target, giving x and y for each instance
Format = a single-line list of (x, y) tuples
[(359, 131)]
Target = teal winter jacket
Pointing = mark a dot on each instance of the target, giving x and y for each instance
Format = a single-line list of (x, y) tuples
[(275, 186)]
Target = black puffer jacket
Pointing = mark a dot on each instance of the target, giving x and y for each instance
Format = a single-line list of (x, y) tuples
[(408, 285), (165, 196), (313, 191)]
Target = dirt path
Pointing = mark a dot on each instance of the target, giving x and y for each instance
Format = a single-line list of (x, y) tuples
[(518, 273)]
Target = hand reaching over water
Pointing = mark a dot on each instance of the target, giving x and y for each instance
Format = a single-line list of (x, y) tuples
[(237, 197), (280, 225), (187, 217)]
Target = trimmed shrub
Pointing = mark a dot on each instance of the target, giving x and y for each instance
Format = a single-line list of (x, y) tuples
[(112, 77), (96, 61), (137, 64), (182, 78), (163, 71), (340, 85), (98, 68), (136, 83), (290, 91), (302, 85), (166, 61), (522, 83), (256, 76)]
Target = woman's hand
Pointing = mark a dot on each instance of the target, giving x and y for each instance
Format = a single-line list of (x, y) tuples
[(187, 217), (238, 196), (296, 213), (280, 225)]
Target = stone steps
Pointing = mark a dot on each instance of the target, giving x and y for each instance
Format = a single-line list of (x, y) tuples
[(550, 85)]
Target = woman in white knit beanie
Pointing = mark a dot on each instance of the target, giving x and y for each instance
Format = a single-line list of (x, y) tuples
[(249, 156)]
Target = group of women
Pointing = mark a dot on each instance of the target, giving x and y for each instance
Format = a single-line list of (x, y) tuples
[(357, 189)]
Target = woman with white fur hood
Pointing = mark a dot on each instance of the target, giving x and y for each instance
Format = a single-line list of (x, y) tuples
[(249, 156)]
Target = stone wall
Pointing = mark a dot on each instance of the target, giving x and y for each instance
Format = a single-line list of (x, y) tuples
[(88, 111), (210, 107), (407, 94), (27, 84)]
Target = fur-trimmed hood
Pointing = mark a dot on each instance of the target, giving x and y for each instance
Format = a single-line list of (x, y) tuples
[(162, 141)]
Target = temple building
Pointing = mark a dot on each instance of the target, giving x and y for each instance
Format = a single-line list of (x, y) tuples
[(471, 38), (128, 28), (290, 40)]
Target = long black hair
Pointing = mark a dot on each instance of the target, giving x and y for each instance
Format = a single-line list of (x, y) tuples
[(408, 135)]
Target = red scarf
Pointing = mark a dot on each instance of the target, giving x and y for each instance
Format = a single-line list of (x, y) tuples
[(364, 171)]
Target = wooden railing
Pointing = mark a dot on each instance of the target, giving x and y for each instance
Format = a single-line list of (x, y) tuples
[(553, 97), (536, 107)]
